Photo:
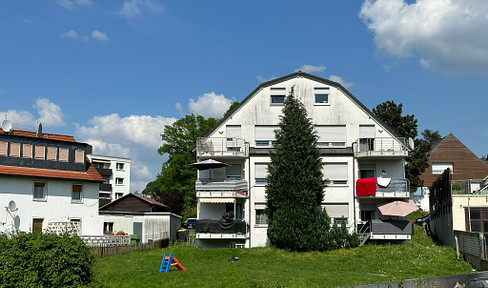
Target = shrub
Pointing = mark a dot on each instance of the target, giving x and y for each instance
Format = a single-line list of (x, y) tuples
[(44, 260)]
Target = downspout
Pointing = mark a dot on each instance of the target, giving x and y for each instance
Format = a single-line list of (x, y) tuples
[(354, 184), (249, 191)]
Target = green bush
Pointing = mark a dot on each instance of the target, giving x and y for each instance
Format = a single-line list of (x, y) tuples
[(44, 260)]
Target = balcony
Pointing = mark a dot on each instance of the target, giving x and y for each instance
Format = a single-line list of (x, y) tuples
[(220, 188), (220, 229), (377, 229), (381, 147), (222, 146), (105, 172), (397, 188), (105, 187)]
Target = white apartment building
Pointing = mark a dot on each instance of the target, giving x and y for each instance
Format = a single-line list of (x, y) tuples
[(355, 147), (116, 174)]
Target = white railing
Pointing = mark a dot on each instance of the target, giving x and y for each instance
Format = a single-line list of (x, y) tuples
[(228, 188), (376, 146), (222, 146)]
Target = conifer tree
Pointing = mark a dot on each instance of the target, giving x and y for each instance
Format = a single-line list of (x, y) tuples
[(295, 183)]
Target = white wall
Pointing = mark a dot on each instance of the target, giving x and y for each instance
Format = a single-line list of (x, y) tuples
[(57, 206), (124, 188)]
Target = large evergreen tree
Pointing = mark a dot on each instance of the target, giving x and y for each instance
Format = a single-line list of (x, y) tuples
[(296, 186)]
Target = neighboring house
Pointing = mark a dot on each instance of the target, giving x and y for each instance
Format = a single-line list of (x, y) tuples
[(353, 143), (453, 154), (47, 181), (116, 175), (140, 215), (461, 210), (463, 164)]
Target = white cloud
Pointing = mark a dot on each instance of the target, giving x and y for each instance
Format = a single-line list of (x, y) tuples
[(137, 137), (447, 36), (179, 107), (100, 36), (70, 4), (135, 8), (50, 113), (210, 105), (135, 129), (312, 69), (341, 81), (70, 34), (19, 119)]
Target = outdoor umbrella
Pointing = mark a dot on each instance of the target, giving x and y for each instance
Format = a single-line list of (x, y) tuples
[(209, 164), (398, 208)]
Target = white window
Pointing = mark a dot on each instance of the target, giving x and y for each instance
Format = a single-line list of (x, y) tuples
[(77, 193), (118, 195), (277, 95), (40, 191), (119, 166), (261, 173), (265, 135), (234, 141), (261, 217), (321, 96), (366, 137), (336, 173), (337, 210), (331, 135), (119, 181), (438, 168)]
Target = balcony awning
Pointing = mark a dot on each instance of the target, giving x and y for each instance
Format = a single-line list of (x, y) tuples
[(217, 200)]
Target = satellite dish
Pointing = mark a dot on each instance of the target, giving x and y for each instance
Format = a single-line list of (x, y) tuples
[(6, 125), (411, 144), (12, 206)]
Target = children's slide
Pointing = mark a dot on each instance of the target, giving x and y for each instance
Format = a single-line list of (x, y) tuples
[(169, 260)]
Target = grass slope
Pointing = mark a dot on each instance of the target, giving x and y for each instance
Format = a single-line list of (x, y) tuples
[(270, 267)]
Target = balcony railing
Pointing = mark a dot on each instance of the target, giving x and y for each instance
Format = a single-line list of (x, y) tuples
[(387, 230), (221, 188), (105, 187), (220, 229), (222, 146), (381, 147), (105, 172), (398, 188)]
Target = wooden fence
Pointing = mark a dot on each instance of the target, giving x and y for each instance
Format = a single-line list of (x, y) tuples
[(120, 245)]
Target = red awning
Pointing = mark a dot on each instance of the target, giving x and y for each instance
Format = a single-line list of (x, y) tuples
[(366, 187)]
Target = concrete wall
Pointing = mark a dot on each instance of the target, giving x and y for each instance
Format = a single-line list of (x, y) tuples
[(57, 207), (117, 189)]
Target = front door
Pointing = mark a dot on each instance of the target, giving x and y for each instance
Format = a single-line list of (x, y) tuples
[(37, 225)]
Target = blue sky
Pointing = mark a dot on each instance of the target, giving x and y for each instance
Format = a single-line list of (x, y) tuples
[(113, 73)]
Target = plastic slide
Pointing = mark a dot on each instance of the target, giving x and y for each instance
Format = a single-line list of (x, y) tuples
[(169, 260)]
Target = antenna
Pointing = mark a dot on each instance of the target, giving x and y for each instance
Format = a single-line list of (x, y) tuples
[(12, 206), (6, 126), (39, 130)]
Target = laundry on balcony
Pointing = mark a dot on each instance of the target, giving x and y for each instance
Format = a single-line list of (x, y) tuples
[(383, 182), (371, 186)]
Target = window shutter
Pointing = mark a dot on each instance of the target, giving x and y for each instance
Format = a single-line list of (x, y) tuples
[(336, 133), (366, 131), (265, 132), (335, 170)]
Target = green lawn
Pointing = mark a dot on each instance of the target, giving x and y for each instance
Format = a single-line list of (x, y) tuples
[(270, 267)]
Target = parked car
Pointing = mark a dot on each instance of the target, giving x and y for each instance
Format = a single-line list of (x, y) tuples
[(423, 220), (190, 223), (477, 282)]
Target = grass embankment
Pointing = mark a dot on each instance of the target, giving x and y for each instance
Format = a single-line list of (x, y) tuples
[(270, 267)]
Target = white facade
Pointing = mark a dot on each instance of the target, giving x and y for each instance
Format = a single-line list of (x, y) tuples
[(244, 138), (57, 205), (119, 178)]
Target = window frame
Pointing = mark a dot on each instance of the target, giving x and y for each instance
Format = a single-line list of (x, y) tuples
[(258, 214), (121, 164), (276, 92), (73, 200), (117, 181), (321, 91), (44, 191)]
